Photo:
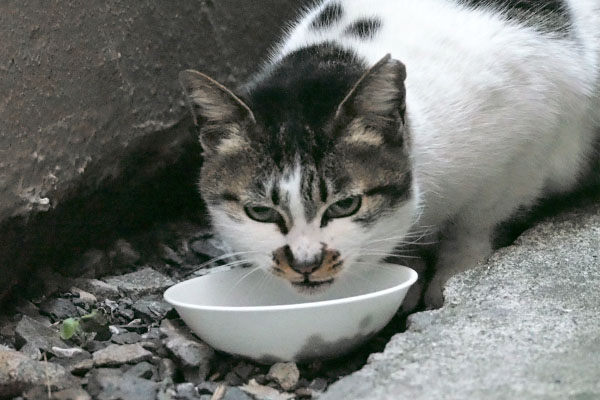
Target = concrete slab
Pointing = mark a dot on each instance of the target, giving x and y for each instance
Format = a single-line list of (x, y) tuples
[(524, 325)]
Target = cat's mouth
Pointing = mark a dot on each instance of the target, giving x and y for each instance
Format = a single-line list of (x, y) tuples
[(307, 283), (308, 286)]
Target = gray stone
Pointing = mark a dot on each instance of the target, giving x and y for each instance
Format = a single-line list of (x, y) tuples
[(264, 392), (166, 391), (152, 309), (94, 345), (207, 387), (32, 311), (58, 309), (19, 373), (84, 297), (69, 352), (286, 374), (166, 369), (109, 384), (115, 355), (523, 325), (34, 334), (187, 391), (71, 394), (318, 384), (31, 351), (189, 352), (98, 288), (143, 370), (77, 365), (143, 282), (235, 393), (244, 370), (126, 338), (84, 85)]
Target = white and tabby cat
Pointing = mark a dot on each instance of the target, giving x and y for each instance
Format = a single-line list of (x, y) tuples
[(335, 153)]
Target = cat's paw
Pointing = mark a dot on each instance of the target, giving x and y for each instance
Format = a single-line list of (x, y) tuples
[(434, 296)]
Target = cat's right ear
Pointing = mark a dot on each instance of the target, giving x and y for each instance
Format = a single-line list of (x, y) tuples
[(216, 109)]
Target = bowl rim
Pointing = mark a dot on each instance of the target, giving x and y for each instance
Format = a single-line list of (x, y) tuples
[(296, 306)]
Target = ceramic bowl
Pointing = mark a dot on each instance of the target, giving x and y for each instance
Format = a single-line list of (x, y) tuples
[(253, 314)]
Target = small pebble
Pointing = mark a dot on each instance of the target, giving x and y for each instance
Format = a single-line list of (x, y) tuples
[(285, 374), (58, 309), (143, 370), (303, 393), (207, 387), (166, 369), (84, 297), (68, 352), (115, 355), (318, 384), (126, 338), (186, 391)]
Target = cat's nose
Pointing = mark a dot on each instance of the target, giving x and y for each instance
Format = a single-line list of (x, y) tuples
[(304, 267)]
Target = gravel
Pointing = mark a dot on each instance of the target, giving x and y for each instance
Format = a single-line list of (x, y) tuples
[(145, 281), (33, 334), (115, 355), (286, 374), (19, 373), (110, 384)]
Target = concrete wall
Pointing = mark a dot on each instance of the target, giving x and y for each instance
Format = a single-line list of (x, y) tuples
[(84, 84)]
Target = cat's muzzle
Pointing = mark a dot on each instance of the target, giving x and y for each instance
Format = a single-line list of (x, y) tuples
[(318, 272)]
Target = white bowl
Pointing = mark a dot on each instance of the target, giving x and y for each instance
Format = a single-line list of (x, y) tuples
[(254, 314)]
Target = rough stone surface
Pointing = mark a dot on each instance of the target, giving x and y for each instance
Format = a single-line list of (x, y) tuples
[(286, 374), (19, 373), (71, 394), (142, 282), (58, 309), (77, 365), (265, 392), (115, 355), (79, 82), (109, 384), (190, 353), (32, 333), (524, 325), (151, 309), (81, 85), (100, 289)]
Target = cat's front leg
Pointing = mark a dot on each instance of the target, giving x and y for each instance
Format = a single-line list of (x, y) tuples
[(459, 250)]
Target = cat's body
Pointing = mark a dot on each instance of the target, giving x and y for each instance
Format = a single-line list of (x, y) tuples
[(499, 106)]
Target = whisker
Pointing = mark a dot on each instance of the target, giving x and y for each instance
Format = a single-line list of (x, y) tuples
[(221, 257), (244, 277)]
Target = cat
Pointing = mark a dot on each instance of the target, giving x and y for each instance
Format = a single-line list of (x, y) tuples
[(379, 124)]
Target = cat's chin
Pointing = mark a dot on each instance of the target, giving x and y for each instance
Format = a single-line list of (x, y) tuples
[(308, 287)]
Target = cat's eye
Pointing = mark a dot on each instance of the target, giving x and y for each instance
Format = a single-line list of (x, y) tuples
[(263, 214), (344, 208)]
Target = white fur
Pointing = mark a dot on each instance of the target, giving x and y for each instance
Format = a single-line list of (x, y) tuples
[(499, 114)]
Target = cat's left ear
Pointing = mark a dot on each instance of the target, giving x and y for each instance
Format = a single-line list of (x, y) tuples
[(376, 102)]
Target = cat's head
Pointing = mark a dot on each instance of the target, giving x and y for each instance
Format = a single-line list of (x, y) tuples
[(307, 176)]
